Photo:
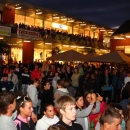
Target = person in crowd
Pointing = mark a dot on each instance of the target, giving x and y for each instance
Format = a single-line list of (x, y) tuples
[(56, 127), (24, 108), (33, 94), (68, 73), (82, 114), (6, 69), (110, 120), (61, 90), (75, 79), (66, 108), (127, 116), (54, 81), (92, 84), (59, 71), (14, 78), (43, 78), (117, 83), (35, 73), (6, 84), (49, 117), (106, 83), (126, 91), (93, 118), (70, 88), (47, 95), (25, 80), (127, 78), (52, 68), (7, 106)]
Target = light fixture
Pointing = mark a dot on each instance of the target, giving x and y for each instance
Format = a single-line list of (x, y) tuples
[(63, 18), (38, 11), (26, 41), (102, 30), (66, 45), (82, 24), (55, 16), (19, 42), (1, 38), (70, 20), (17, 6), (119, 38), (73, 46), (127, 36), (48, 43)]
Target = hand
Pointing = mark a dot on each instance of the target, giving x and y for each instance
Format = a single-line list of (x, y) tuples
[(93, 95), (34, 117)]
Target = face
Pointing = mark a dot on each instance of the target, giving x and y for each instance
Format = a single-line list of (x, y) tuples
[(47, 86), (69, 113), (27, 109), (115, 125), (89, 98), (42, 75), (5, 78), (49, 112), (75, 70), (80, 102), (13, 106), (36, 67)]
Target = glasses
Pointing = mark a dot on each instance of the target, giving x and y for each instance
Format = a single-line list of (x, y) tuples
[(26, 98)]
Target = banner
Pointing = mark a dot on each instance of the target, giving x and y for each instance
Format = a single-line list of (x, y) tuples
[(5, 31), (27, 34)]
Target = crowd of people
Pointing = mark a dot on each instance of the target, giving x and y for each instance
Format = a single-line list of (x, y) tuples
[(68, 97), (53, 33)]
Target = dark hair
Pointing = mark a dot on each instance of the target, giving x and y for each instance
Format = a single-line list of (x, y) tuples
[(109, 116), (77, 96), (56, 127), (21, 102), (34, 80), (60, 82), (6, 98), (45, 82), (67, 83), (127, 114), (115, 106), (47, 105)]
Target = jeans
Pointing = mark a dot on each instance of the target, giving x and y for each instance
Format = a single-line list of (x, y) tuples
[(24, 89)]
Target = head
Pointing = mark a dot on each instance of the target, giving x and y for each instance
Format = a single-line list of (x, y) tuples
[(7, 102), (48, 110), (88, 96), (67, 83), (66, 108), (79, 101), (60, 83), (36, 67), (127, 114), (35, 82), (24, 106), (26, 70), (106, 71), (42, 74), (76, 71), (46, 85), (5, 77), (56, 74), (110, 120), (56, 127), (12, 70)]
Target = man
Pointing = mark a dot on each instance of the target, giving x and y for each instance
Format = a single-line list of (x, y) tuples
[(7, 106), (66, 108), (5, 84), (14, 78), (110, 120)]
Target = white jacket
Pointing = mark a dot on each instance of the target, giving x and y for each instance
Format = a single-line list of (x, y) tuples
[(33, 94), (44, 122)]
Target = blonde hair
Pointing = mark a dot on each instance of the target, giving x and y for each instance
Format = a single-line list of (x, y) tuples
[(62, 102)]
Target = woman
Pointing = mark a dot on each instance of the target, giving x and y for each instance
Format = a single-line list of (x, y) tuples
[(24, 108), (82, 114), (48, 119), (93, 118), (33, 94), (47, 94), (75, 79)]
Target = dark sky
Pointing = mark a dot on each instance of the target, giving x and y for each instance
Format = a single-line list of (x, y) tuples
[(110, 13)]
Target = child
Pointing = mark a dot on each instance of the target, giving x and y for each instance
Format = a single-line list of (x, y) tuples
[(66, 108)]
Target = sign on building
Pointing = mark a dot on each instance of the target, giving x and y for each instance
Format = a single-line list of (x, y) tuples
[(5, 31)]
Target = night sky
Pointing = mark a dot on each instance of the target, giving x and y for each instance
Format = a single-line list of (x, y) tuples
[(110, 13)]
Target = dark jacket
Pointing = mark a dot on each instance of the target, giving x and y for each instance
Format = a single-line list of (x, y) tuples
[(6, 85)]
